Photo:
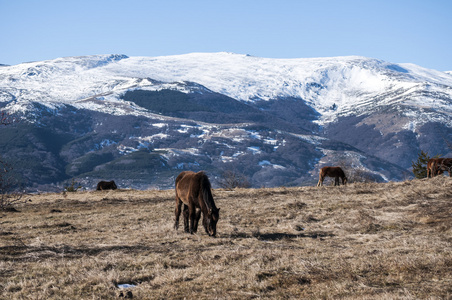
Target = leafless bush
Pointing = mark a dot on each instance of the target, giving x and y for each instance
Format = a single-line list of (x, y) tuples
[(360, 175), (355, 174), (231, 179), (73, 187), (9, 185), (10, 193)]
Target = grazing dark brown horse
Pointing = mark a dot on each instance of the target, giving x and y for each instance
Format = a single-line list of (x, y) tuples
[(335, 172), (193, 190), (106, 185)]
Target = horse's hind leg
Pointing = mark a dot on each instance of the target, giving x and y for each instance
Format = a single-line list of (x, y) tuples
[(320, 183), (186, 222), (177, 212)]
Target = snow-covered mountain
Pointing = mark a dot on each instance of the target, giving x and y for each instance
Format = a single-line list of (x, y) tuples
[(371, 107), (349, 84)]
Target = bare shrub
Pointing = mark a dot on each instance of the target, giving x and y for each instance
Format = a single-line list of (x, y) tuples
[(73, 187), (360, 175), (231, 179), (10, 193), (355, 174)]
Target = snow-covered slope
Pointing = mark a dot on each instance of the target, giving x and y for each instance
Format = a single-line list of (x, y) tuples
[(334, 86)]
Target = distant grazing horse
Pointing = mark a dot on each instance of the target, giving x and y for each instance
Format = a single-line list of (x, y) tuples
[(335, 172), (193, 190), (444, 165), (432, 167), (106, 185)]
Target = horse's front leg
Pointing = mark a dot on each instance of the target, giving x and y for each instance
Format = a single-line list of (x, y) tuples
[(192, 217), (198, 216), (336, 181), (177, 212)]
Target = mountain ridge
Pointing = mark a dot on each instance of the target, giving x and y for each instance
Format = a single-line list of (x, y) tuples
[(366, 112), (321, 82)]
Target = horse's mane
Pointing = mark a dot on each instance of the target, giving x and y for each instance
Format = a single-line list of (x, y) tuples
[(206, 191)]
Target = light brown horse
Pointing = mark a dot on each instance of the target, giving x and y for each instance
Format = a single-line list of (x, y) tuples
[(432, 167), (335, 172), (194, 191)]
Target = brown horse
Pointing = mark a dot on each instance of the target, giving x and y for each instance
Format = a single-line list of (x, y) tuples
[(335, 172), (432, 167), (444, 165), (106, 185), (194, 191)]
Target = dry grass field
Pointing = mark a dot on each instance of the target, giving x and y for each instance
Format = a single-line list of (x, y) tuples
[(361, 241)]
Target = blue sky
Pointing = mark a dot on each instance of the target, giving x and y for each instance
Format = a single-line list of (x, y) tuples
[(402, 31)]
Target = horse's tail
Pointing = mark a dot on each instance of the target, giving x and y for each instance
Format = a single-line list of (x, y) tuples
[(321, 177)]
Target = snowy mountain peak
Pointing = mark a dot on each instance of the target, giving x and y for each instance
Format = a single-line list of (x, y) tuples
[(333, 86)]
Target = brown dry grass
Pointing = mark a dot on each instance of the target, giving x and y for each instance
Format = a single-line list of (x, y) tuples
[(361, 241)]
